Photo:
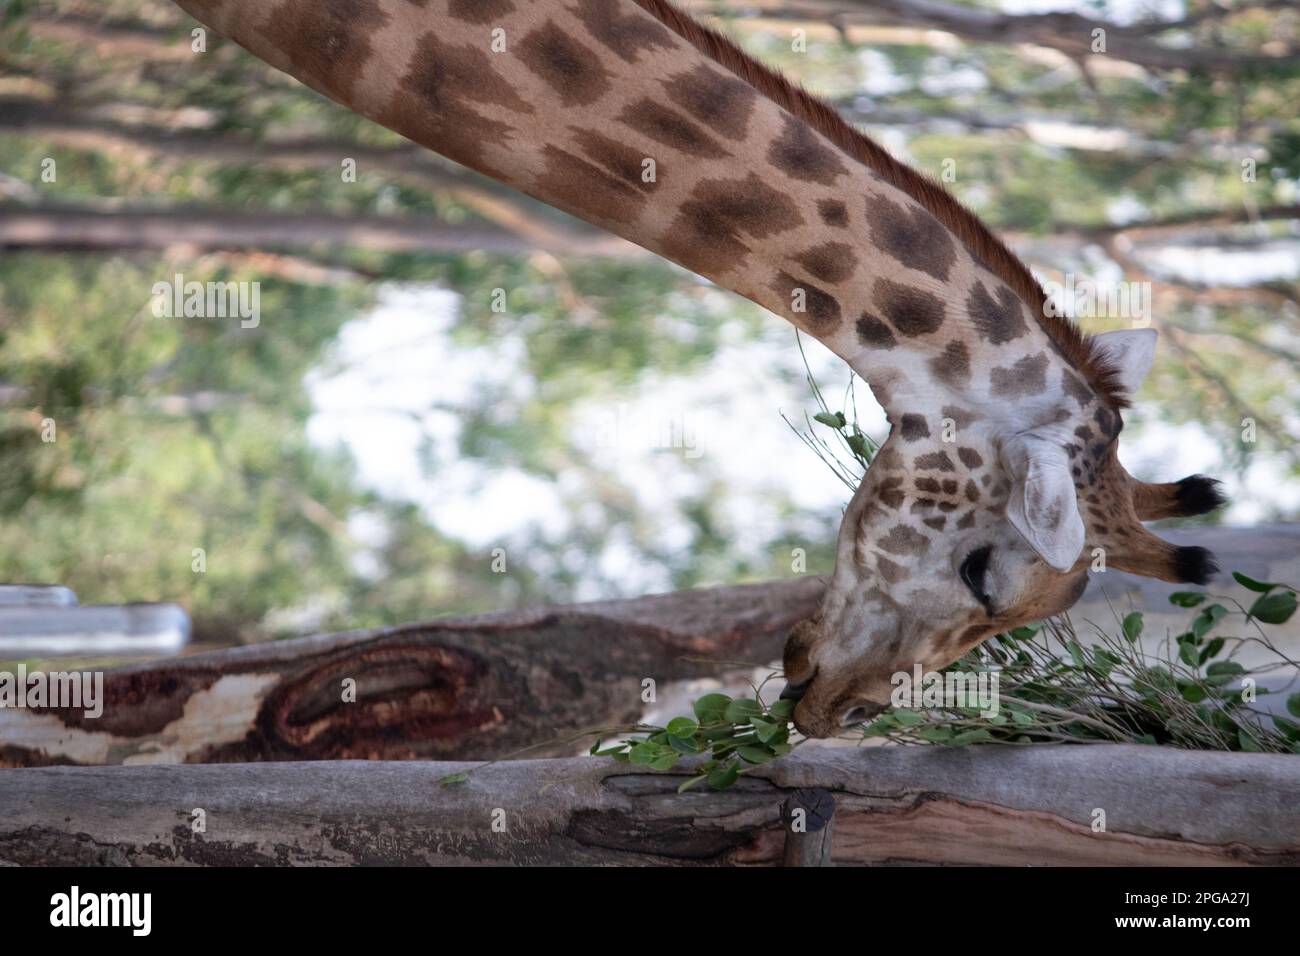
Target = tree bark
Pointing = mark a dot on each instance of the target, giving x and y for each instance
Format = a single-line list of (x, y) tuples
[(933, 805), (471, 687), (86, 130), (87, 229), (1069, 33)]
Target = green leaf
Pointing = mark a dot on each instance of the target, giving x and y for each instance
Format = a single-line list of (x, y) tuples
[(766, 731), (612, 751), (1023, 718), (1291, 730), (1187, 598), (1274, 608), (1293, 705), (1231, 668), (880, 726), (682, 727), (1192, 693), (740, 711), (858, 445), (665, 762), (1248, 743), (1133, 626), (1260, 587), (596, 746), (692, 782), (724, 775), (453, 778), (908, 718), (1076, 654), (710, 708), (683, 745), (936, 735), (643, 754), (755, 754), (783, 709), (1187, 652), (970, 737), (1212, 649), (1207, 619), (831, 419)]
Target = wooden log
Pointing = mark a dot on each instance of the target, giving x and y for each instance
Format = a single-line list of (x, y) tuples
[(471, 687), (935, 805)]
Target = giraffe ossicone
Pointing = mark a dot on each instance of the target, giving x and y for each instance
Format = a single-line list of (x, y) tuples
[(1000, 474)]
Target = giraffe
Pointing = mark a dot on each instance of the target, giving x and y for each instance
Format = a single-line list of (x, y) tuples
[(1000, 477)]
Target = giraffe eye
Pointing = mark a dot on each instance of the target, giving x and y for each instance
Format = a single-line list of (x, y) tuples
[(973, 570)]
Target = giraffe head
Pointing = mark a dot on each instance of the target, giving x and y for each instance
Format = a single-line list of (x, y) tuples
[(976, 519)]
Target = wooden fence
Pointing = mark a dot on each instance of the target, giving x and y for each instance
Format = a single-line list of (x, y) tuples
[(247, 756)]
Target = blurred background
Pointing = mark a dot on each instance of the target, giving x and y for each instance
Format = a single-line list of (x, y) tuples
[(454, 399)]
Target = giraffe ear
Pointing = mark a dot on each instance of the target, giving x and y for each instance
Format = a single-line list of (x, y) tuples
[(1043, 505), (1130, 352)]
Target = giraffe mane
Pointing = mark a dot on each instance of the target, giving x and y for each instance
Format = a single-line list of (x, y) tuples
[(1078, 349)]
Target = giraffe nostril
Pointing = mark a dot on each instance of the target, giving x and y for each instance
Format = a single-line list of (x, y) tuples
[(860, 713)]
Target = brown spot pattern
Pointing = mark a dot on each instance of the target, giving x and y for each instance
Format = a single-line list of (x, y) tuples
[(910, 310), (833, 212), (628, 34), (571, 69), (970, 457), (997, 321), (873, 332), (576, 185), (801, 154), (821, 309), (914, 428), (326, 41), (479, 11), (667, 126), (952, 367), (891, 572), (708, 230), (912, 236), (437, 97), (829, 262), (935, 461), (1028, 376), (719, 101), (1075, 388), (904, 540)]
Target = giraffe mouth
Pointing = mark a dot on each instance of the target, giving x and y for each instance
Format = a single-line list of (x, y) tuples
[(795, 692)]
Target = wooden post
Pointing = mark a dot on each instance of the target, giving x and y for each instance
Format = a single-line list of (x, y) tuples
[(809, 817)]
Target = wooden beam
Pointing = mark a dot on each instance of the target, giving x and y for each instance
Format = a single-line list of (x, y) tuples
[(977, 805), (470, 687)]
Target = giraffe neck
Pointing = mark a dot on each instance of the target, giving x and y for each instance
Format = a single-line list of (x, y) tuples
[(599, 108)]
